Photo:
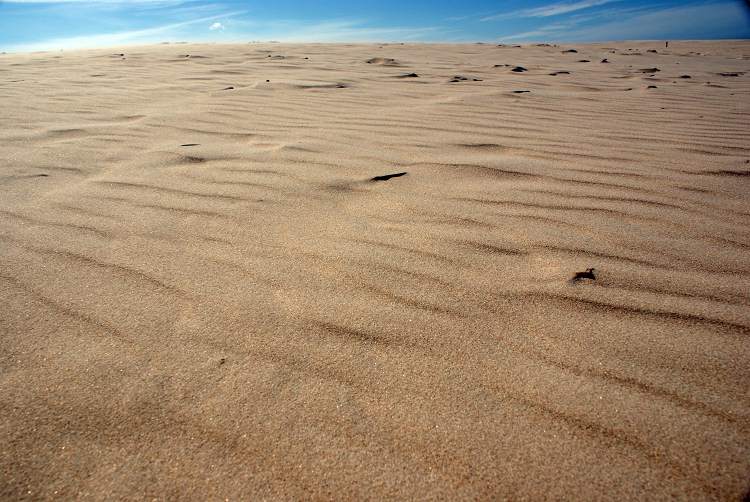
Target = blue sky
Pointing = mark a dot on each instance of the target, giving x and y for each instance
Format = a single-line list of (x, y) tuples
[(27, 25)]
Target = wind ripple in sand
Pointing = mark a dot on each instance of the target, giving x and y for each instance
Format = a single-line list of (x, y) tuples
[(213, 261)]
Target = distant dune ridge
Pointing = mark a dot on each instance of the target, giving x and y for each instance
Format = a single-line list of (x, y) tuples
[(362, 272)]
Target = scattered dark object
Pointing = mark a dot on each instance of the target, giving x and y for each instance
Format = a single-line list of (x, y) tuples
[(731, 74), (651, 87), (341, 86), (500, 65), (408, 75), (560, 73), (649, 70), (386, 177), (190, 144), (222, 360), (306, 58), (629, 89), (519, 92), (543, 45), (605, 60), (570, 51), (653, 51), (477, 79), (519, 69), (228, 88), (516, 46), (41, 175), (267, 80), (685, 76), (584, 61), (459, 78), (666, 44), (588, 274)]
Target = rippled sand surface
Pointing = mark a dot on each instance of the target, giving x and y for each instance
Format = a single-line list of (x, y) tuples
[(205, 295)]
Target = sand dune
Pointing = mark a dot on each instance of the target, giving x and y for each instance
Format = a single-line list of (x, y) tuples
[(287, 272)]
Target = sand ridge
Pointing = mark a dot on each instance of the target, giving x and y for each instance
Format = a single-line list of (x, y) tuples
[(343, 271)]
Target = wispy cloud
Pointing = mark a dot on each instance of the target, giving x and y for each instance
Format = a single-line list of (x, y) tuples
[(101, 2), (245, 29), (148, 35), (696, 20), (333, 31), (555, 9)]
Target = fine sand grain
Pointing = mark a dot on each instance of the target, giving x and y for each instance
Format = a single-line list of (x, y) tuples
[(287, 272)]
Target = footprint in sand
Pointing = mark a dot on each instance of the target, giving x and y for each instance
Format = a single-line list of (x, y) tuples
[(383, 62)]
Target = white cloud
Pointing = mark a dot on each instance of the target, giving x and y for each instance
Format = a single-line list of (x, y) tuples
[(554, 9), (216, 26)]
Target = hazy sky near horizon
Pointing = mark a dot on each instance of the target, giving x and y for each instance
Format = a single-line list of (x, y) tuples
[(27, 25)]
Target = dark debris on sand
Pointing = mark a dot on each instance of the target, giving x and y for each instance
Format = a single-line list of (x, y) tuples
[(588, 274), (386, 177)]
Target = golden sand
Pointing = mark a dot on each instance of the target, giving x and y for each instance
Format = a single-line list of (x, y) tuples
[(205, 296)]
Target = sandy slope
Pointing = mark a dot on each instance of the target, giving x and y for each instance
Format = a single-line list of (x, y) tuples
[(250, 317)]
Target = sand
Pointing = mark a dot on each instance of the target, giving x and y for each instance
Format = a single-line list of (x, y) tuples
[(205, 295)]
